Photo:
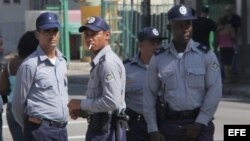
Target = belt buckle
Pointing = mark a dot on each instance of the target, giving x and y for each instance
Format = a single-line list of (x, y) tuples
[(138, 117), (52, 123)]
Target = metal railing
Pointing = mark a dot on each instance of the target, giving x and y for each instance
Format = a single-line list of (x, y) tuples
[(126, 21)]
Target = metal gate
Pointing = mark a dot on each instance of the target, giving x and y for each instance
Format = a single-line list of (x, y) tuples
[(125, 19)]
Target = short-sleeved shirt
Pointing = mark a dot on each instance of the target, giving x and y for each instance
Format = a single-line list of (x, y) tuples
[(135, 78), (106, 87), (189, 82), (42, 89)]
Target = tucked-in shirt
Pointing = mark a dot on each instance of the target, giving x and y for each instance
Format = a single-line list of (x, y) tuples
[(106, 87), (135, 78), (189, 82), (41, 90)]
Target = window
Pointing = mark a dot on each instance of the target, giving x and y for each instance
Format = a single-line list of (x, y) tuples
[(6, 1), (16, 1)]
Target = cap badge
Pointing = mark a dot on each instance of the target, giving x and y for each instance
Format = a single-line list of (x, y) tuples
[(91, 19), (155, 32), (50, 18), (183, 10)]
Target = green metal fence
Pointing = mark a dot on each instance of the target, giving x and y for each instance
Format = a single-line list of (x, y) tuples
[(126, 21)]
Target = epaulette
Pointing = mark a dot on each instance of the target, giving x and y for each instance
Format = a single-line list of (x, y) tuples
[(102, 59), (203, 48), (126, 61), (159, 51), (65, 58)]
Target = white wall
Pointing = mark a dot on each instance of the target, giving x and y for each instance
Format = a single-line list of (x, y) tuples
[(12, 23)]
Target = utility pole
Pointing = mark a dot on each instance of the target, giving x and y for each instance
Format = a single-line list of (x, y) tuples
[(66, 30), (146, 13)]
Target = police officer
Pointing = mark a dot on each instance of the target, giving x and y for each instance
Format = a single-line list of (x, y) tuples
[(188, 76), (149, 40), (105, 95), (41, 95)]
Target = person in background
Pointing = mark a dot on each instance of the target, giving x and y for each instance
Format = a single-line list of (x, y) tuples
[(225, 36), (202, 27), (235, 21), (40, 99), (187, 77), (1, 100), (149, 40), (27, 44), (1, 49), (105, 94)]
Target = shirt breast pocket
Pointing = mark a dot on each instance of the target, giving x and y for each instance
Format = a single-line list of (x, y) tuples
[(196, 77), (169, 79), (44, 84), (45, 87)]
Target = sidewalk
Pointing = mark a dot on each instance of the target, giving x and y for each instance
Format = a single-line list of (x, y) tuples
[(78, 73)]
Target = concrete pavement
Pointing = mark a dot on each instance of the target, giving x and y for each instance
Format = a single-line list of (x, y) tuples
[(78, 74)]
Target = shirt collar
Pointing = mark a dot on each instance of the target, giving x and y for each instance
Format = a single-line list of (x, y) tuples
[(104, 51), (137, 61), (43, 56), (192, 45)]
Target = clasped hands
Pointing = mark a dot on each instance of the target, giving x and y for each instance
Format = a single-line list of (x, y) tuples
[(74, 106)]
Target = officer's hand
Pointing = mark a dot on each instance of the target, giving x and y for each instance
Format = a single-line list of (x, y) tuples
[(74, 114), (156, 136), (78, 113), (74, 104), (192, 131)]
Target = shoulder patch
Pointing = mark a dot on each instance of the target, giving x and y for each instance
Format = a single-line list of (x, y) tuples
[(159, 51), (203, 48), (102, 59), (126, 61)]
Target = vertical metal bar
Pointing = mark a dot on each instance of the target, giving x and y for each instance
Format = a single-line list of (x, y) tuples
[(66, 29)]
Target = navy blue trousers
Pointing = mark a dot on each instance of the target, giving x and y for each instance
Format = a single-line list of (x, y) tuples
[(137, 130), (36, 132), (106, 136), (172, 131)]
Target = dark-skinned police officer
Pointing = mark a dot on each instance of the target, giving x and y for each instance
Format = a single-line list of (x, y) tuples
[(149, 39), (187, 75)]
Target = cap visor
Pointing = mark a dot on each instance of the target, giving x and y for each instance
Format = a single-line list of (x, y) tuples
[(183, 19), (48, 26), (93, 28), (162, 38), (156, 38)]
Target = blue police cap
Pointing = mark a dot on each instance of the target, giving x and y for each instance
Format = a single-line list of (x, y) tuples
[(47, 20), (149, 33), (96, 24), (180, 12)]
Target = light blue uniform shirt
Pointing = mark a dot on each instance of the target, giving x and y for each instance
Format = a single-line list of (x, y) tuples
[(135, 78), (42, 88), (106, 87), (191, 81)]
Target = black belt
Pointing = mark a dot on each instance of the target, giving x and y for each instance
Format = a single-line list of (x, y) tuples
[(56, 124), (181, 115), (133, 115), (47, 122)]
